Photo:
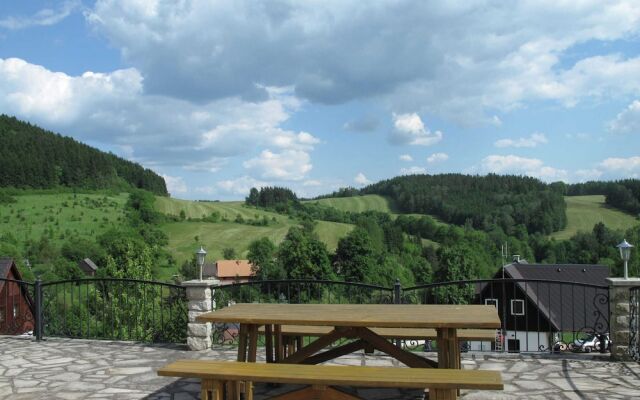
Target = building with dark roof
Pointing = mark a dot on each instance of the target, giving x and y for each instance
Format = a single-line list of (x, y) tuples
[(535, 311), (88, 267), (16, 304)]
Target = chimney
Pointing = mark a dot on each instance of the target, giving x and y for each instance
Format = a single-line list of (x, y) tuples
[(516, 258)]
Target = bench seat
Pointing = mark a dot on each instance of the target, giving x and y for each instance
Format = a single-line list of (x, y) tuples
[(442, 383), (485, 335)]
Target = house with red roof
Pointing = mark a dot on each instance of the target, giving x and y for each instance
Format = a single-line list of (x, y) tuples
[(16, 303)]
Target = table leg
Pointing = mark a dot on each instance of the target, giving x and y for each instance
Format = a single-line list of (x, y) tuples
[(277, 332), (268, 342), (448, 357), (242, 343)]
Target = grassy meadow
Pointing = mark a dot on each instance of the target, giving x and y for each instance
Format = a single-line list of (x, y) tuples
[(583, 212), (215, 236), (61, 216), (367, 202)]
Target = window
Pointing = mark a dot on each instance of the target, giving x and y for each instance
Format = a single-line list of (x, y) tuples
[(15, 311), (491, 302), (517, 307)]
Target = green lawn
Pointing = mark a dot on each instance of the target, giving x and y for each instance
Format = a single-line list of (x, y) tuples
[(61, 216), (583, 212), (367, 202)]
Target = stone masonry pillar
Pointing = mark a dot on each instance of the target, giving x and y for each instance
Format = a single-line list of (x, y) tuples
[(199, 297), (619, 318)]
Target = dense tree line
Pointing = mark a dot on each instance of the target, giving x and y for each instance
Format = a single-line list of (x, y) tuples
[(482, 201), (31, 157), (271, 198)]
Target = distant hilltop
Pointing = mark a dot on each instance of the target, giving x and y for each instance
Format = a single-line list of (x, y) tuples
[(31, 157)]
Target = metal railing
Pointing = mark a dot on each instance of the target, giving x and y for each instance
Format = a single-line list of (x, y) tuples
[(114, 309), (634, 323), (536, 315)]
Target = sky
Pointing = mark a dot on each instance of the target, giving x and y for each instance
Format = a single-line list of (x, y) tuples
[(221, 96)]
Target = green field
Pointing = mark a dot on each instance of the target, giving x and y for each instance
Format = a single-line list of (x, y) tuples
[(61, 216), (367, 202), (583, 212), (217, 236)]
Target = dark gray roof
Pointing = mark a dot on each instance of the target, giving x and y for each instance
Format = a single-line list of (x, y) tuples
[(566, 306), (89, 263), (5, 266)]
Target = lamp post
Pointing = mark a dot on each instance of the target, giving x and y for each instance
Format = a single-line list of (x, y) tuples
[(200, 254), (625, 254)]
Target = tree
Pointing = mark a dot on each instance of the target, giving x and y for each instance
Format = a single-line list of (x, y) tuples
[(455, 265), (303, 256), (229, 253), (355, 256), (262, 258)]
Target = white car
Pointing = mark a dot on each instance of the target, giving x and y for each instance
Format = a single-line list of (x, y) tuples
[(591, 343)]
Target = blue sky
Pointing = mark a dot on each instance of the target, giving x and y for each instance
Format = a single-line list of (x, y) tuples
[(220, 96)]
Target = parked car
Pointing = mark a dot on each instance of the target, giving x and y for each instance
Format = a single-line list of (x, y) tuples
[(591, 343)]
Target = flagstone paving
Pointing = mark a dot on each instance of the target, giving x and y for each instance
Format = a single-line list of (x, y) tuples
[(83, 369)]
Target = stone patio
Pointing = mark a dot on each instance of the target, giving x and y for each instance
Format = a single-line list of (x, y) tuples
[(85, 369)]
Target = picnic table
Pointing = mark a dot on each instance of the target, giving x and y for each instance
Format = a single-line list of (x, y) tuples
[(356, 323)]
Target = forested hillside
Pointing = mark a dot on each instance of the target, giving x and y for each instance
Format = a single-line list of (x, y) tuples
[(484, 202), (31, 157)]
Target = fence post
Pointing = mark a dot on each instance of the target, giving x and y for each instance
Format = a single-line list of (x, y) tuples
[(397, 299), (199, 297), (38, 310), (619, 327)]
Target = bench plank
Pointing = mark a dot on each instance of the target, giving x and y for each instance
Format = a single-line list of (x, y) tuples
[(332, 375), (485, 335)]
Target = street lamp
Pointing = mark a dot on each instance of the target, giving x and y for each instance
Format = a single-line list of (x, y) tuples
[(625, 254), (200, 259)]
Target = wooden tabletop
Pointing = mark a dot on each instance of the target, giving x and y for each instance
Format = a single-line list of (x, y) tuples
[(359, 315)]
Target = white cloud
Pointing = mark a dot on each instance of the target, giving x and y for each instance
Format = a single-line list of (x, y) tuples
[(409, 129), (44, 17), (361, 179), (288, 165), (532, 141), (437, 157), (516, 165), (113, 108), (311, 182), (239, 186), (615, 164), (463, 61), (406, 157), (413, 170), (584, 175), (175, 184), (627, 121)]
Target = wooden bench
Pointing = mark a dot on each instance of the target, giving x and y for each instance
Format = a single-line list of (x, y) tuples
[(220, 377), (293, 334)]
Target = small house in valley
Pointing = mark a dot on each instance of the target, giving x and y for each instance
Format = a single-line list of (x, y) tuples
[(16, 304), (88, 267), (231, 271)]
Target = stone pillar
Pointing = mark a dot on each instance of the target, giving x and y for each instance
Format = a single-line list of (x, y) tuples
[(199, 297), (619, 318)]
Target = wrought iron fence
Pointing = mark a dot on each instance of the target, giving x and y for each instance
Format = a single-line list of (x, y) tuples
[(634, 323), (114, 309), (16, 307)]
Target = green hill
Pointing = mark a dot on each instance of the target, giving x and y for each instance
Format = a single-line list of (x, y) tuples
[(33, 158), (61, 216), (370, 202), (583, 212), (215, 236)]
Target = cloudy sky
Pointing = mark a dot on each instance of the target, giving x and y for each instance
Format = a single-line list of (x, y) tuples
[(220, 96)]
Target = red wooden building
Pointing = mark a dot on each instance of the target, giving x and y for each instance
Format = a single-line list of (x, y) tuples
[(16, 304)]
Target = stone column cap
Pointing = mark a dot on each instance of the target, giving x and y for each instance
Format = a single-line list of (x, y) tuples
[(199, 283), (624, 282)]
